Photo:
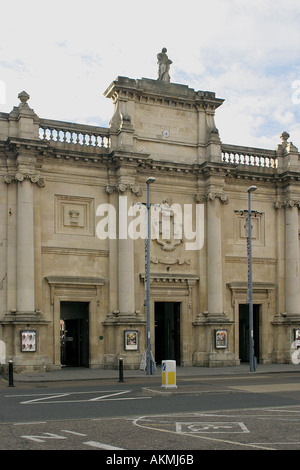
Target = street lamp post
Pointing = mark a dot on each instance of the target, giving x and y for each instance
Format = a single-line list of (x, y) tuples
[(250, 286), (149, 366)]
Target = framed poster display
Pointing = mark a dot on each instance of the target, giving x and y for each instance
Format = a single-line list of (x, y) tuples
[(28, 341), (297, 337), (131, 340), (221, 339)]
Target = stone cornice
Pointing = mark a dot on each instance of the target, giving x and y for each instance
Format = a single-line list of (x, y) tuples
[(75, 281), (20, 144), (190, 279), (164, 94), (74, 251)]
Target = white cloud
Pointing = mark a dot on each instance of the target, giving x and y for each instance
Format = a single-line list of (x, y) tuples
[(67, 53)]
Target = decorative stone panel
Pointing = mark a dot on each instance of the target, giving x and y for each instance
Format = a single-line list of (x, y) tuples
[(258, 229), (74, 215)]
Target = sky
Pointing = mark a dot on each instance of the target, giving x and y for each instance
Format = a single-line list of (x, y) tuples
[(66, 53)]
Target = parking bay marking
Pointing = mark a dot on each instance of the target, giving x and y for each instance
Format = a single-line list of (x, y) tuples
[(211, 427), (139, 422)]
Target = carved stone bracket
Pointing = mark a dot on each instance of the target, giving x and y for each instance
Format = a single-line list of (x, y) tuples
[(122, 188), (211, 196), (207, 318), (19, 177)]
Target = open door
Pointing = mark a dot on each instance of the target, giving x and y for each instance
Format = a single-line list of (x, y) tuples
[(74, 334), (244, 332), (167, 331)]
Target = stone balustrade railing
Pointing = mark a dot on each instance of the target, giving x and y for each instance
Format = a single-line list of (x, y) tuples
[(249, 156), (59, 132)]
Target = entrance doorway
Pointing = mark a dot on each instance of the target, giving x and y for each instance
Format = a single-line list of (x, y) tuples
[(74, 333), (167, 331), (244, 332)]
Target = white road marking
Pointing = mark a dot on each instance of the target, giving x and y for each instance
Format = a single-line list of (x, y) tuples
[(30, 422), (35, 400), (110, 395), (46, 435), (210, 427), (73, 432), (272, 388), (50, 394), (197, 436), (99, 445), (106, 396)]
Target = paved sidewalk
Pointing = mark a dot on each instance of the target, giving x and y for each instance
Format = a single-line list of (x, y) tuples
[(81, 373)]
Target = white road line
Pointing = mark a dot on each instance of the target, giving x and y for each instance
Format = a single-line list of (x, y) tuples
[(279, 443), (44, 399), (35, 400), (99, 445), (42, 438), (30, 422), (50, 394), (86, 401), (283, 410), (73, 432), (110, 395)]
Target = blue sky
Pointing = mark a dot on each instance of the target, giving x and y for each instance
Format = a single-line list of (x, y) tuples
[(66, 53)]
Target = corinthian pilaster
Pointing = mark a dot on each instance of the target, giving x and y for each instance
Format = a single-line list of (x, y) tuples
[(125, 259), (214, 256), (25, 238), (292, 286), (292, 276), (25, 249)]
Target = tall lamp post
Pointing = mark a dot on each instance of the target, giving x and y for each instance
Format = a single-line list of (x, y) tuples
[(250, 286), (149, 365)]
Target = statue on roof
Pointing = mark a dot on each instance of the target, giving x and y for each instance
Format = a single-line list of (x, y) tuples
[(163, 66)]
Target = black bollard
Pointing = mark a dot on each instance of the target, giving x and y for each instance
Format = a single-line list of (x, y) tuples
[(10, 373), (121, 370)]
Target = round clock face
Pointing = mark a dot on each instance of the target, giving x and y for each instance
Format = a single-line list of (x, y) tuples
[(165, 133)]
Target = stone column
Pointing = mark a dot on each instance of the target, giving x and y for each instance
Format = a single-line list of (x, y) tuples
[(292, 286), (125, 259), (25, 248), (214, 256)]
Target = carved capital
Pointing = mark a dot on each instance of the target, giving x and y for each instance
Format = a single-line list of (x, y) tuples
[(287, 204), (211, 196), (19, 177), (122, 188), (8, 179)]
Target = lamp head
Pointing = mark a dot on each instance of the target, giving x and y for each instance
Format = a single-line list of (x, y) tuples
[(150, 180), (251, 189)]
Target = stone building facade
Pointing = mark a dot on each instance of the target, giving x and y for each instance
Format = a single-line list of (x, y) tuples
[(72, 279)]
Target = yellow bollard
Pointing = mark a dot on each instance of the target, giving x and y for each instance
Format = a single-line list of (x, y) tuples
[(168, 374)]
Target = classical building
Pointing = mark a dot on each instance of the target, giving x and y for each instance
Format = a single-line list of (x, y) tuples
[(72, 248)]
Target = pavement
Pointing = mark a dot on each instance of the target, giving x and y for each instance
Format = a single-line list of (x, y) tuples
[(82, 373)]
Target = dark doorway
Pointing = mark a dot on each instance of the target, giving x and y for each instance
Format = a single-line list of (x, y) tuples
[(167, 331), (74, 333), (244, 332)]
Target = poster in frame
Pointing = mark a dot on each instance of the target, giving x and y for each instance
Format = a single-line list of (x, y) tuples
[(221, 339), (131, 340), (28, 340), (297, 337)]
